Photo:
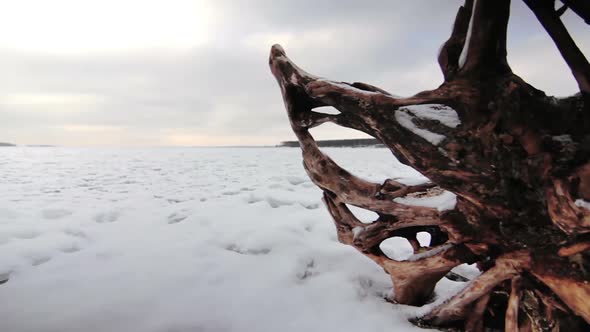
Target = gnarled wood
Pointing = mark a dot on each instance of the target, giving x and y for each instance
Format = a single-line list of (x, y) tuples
[(517, 160), (474, 323), (511, 320), (457, 307), (413, 279)]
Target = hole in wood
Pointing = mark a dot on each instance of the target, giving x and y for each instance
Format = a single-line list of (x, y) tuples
[(397, 248), (423, 238), (326, 110), (354, 150), (363, 215)]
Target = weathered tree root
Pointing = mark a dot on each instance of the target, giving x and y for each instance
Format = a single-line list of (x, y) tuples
[(517, 160)]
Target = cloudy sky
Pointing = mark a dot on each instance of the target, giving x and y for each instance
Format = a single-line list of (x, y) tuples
[(195, 72)]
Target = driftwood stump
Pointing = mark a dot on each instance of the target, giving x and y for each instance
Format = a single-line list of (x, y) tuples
[(517, 159)]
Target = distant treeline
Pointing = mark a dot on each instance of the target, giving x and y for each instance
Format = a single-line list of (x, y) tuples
[(4, 144), (360, 142)]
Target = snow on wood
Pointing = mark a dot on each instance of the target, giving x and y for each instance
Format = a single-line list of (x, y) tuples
[(404, 118), (442, 113), (445, 201), (582, 203), (357, 231), (465, 50)]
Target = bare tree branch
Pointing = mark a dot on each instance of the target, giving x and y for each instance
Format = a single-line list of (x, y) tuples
[(511, 320), (486, 46), (580, 7), (450, 51), (570, 52)]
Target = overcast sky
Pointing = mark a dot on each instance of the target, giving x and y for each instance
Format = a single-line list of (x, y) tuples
[(195, 72)]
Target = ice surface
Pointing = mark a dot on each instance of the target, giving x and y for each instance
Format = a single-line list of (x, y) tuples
[(185, 239)]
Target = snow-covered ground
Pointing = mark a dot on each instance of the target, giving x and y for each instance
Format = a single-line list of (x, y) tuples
[(185, 239)]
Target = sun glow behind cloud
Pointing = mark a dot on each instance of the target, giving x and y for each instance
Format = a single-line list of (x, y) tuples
[(48, 100), (83, 26)]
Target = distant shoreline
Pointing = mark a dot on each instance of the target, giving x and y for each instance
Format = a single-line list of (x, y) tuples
[(344, 143), (9, 145)]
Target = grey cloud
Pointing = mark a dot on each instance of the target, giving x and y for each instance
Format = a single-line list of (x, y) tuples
[(224, 88)]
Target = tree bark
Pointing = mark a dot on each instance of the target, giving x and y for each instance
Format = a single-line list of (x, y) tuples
[(518, 161)]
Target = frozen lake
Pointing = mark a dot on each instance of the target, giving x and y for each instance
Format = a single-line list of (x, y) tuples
[(185, 239)]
